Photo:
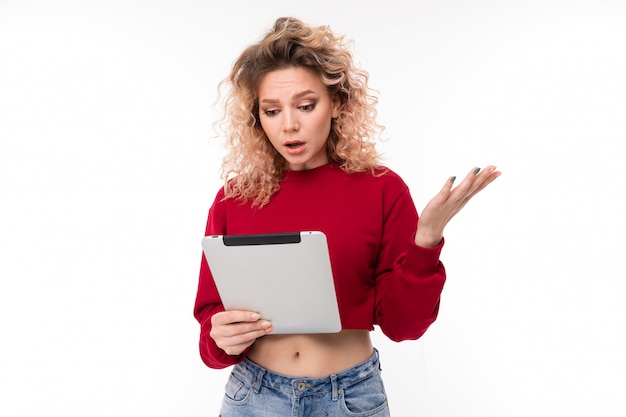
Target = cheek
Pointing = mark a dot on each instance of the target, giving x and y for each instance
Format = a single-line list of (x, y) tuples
[(323, 125), (266, 126), (262, 123)]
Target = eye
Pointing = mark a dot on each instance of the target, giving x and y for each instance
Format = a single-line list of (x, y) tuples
[(307, 107), (270, 113)]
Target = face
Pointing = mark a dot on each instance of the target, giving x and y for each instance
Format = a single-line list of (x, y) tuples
[(295, 110)]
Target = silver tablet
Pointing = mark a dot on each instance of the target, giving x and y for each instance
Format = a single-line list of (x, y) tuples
[(285, 277)]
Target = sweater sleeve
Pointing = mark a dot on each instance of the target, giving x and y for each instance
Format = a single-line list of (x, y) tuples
[(208, 301), (409, 278)]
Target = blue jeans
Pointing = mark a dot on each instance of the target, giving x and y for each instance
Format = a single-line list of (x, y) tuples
[(253, 391)]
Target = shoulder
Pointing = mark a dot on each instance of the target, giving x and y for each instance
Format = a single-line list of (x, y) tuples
[(220, 195), (381, 176), (388, 174), (388, 178), (382, 181), (220, 201)]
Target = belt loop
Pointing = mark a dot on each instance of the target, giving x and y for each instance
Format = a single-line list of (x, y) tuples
[(333, 380), (256, 385)]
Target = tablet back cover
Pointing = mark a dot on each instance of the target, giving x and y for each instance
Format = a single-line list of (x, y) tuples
[(286, 278)]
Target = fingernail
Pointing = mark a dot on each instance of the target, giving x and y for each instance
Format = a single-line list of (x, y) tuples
[(452, 179), (266, 324), (476, 171), (255, 316)]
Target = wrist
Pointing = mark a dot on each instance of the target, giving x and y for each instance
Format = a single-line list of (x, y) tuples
[(428, 238)]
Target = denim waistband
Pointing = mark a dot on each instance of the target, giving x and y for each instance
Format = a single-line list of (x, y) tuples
[(302, 386)]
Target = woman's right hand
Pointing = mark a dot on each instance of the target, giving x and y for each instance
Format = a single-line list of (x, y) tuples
[(234, 331)]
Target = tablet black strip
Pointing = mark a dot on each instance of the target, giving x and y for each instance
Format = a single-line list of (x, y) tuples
[(262, 239)]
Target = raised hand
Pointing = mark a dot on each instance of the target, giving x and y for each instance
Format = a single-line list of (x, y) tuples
[(448, 202)]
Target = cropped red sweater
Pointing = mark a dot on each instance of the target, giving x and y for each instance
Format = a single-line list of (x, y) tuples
[(381, 276)]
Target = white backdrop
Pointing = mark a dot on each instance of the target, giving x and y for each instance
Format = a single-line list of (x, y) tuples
[(107, 173)]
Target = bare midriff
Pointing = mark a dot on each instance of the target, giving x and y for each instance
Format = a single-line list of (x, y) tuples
[(312, 355)]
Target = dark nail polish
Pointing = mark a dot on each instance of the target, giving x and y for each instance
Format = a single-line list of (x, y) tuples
[(476, 171), (452, 179)]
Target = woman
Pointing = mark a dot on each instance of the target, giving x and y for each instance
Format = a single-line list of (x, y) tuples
[(300, 125)]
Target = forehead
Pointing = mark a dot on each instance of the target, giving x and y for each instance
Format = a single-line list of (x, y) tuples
[(289, 81)]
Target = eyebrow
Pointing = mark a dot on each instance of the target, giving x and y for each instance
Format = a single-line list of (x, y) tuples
[(295, 97)]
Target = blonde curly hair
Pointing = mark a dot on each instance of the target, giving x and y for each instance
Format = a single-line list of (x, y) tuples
[(252, 168)]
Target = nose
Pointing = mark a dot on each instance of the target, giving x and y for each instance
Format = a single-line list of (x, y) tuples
[(290, 121)]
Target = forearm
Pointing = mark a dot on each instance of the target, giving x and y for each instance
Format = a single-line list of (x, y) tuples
[(408, 296)]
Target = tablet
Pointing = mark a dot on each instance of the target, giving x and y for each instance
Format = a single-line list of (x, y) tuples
[(285, 277)]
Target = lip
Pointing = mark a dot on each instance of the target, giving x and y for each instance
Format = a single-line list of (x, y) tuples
[(297, 150)]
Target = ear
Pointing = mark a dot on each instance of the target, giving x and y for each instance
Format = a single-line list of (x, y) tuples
[(336, 105)]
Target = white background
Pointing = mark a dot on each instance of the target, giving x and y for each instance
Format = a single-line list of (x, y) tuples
[(107, 171)]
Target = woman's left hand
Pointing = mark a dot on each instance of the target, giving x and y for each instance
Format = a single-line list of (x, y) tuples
[(448, 202)]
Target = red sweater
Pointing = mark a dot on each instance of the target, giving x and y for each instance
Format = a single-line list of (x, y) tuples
[(381, 276)]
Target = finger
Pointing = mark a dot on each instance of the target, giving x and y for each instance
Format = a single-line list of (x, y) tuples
[(236, 349), (234, 316), (234, 329), (245, 328), (237, 343), (489, 176), (240, 333), (486, 177), (447, 187), (475, 179), (461, 190), (245, 340)]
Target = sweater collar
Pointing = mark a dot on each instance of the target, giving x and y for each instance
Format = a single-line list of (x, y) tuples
[(309, 174)]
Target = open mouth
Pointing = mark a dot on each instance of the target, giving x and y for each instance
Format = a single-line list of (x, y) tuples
[(294, 145)]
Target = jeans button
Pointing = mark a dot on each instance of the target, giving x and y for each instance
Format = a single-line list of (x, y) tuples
[(301, 386)]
